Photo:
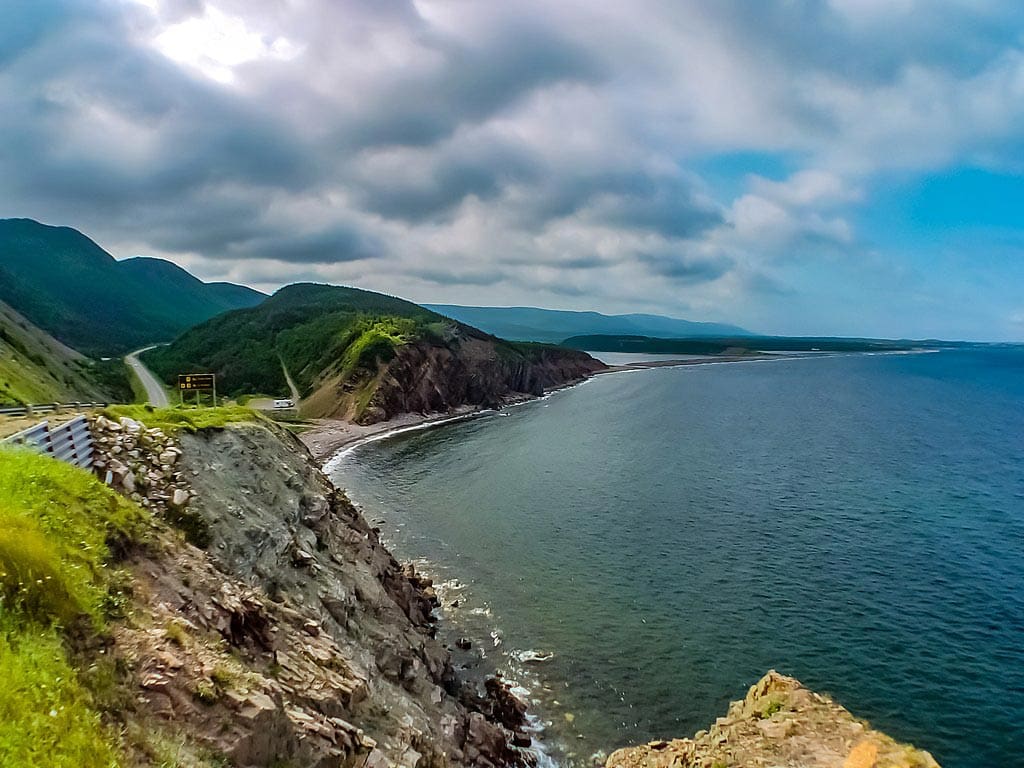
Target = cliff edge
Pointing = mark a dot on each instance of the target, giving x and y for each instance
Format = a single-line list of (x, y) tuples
[(219, 602), (780, 724), (269, 624)]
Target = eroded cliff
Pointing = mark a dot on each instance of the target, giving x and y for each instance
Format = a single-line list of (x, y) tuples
[(435, 377), (291, 636)]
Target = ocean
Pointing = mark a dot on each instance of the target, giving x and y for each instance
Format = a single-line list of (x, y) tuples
[(669, 535)]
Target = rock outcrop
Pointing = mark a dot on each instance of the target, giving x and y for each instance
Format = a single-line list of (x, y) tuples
[(141, 463), (780, 724), (430, 379), (293, 636)]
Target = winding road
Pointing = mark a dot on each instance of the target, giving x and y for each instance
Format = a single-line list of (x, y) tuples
[(155, 392)]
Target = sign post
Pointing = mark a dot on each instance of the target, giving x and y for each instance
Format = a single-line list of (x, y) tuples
[(197, 382)]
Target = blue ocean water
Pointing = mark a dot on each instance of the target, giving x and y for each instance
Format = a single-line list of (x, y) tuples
[(671, 534)]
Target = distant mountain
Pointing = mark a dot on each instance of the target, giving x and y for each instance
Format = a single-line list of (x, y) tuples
[(555, 325), (740, 344), (362, 355), (69, 286), (36, 368)]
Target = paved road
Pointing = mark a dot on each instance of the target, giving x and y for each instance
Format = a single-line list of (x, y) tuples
[(154, 389)]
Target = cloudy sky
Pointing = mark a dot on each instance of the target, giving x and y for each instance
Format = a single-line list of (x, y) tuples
[(799, 166)]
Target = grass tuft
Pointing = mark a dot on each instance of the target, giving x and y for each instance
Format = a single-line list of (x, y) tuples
[(55, 524), (178, 418)]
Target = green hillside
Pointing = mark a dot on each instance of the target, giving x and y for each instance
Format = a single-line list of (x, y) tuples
[(304, 325), (70, 287), (339, 343), (36, 368)]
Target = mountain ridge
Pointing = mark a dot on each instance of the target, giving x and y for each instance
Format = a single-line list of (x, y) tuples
[(554, 325), (66, 284)]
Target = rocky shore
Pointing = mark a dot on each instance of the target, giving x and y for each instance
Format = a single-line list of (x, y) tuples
[(269, 625)]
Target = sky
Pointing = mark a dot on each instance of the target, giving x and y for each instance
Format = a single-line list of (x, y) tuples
[(847, 167)]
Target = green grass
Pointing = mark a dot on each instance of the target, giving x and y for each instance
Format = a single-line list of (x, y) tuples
[(177, 418), (55, 522), (375, 341), (56, 527), (46, 716)]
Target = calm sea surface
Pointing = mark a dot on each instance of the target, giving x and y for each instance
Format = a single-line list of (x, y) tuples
[(671, 534)]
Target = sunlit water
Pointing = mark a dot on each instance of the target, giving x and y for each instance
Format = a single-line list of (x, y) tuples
[(671, 534)]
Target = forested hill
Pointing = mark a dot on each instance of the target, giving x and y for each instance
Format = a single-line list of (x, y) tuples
[(553, 325), (363, 355), (70, 287)]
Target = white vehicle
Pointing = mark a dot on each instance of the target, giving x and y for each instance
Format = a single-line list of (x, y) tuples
[(282, 404)]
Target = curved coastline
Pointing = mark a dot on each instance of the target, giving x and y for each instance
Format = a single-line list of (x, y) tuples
[(391, 429)]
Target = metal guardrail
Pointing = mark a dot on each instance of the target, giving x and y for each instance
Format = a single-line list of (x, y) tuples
[(70, 442), (28, 410)]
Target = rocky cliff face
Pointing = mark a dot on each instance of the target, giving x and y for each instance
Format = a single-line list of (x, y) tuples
[(293, 637), (290, 636), (780, 724), (430, 378)]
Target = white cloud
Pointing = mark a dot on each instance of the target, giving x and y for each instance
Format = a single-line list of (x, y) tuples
[(216, 44), (542, 147)]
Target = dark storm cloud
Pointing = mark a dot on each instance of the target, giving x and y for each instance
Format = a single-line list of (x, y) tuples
[(668, 205), (329, 246), (681, 268), (476, 278), (858, 43), (454, 174), (471, 85), (196, 134)]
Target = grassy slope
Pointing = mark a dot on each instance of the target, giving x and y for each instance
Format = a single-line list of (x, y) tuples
[(176, 419), (98, 305), (55, 574), (36, 368)]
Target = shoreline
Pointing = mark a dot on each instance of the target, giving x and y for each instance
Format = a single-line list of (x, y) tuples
[(332, 438), (553, 742)]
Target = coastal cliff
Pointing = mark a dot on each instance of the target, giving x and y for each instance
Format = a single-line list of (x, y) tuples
[(463, 371), (346, 353), (246, 614), (266, 624), (779, 724)]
